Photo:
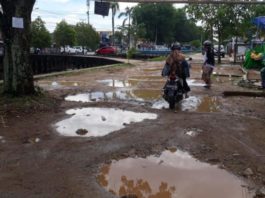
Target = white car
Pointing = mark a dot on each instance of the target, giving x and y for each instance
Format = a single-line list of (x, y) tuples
[(68, 50), (216, 51), (80, 50)]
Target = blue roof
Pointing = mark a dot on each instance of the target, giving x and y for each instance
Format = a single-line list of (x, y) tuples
[(259, 22)]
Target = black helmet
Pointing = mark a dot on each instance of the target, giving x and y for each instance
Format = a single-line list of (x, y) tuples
[(207, 43), (175, 46)]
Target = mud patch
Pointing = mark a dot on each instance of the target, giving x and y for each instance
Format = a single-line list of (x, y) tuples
[(98, 121), (173, 174)]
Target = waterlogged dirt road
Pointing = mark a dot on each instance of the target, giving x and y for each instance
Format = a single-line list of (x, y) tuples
[(46, 148)]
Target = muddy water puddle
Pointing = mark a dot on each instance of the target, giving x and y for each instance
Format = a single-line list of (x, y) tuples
[(147, 78), (193, 104), (116, 83), (172, 174), (159, 69), (139, 95), (98, 121), (53, 85), (96, 96)]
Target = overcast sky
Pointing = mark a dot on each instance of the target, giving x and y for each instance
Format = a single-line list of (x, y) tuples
[(74, 11)]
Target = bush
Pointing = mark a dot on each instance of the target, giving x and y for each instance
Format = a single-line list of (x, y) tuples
[(131, 53)]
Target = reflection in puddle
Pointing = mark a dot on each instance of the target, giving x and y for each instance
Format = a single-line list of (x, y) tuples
[(194, 83), (193, 104), (201, 104), (146, 94), (88, 97), (153, 69), (53, 85), (174, 174), (137, 95), (147, 79), (160, 104), (115, 83), (191, 133), (99, 121)]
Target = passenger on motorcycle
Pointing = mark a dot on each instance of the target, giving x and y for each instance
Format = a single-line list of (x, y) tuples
[(208, 64), (176, 61)]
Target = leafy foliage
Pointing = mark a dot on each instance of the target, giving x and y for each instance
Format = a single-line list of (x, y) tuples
[(40, 36), (157, 19), (114, 8), (86, 35), (226, 20), (64, 34)]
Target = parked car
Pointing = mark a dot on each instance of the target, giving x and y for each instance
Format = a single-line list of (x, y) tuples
[(217, 52), (80, 50), (106, 50), (68, 50)]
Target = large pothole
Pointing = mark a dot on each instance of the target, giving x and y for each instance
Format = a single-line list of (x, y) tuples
[(172, 174), (98, 121)]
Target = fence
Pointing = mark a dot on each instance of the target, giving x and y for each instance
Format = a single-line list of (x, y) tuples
[(42, 64)]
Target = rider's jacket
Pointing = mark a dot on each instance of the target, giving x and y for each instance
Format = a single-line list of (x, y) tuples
[(175, 59)]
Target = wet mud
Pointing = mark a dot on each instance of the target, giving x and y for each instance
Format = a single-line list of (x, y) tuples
[(104, 121)]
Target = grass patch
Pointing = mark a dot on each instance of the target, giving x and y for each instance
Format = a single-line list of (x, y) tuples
[(159, 58)]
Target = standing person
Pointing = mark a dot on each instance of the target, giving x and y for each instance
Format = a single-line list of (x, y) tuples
[(208, 64), (186, 74)]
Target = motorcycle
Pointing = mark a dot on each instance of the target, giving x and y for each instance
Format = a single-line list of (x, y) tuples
[(173, 92)]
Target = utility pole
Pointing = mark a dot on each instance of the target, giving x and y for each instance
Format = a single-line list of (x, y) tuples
[(88, 6)]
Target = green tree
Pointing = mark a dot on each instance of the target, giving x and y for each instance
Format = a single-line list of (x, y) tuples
[(86, 36), (157, 19), (64, 34), (196, 43), (225, 20), (114, 8), (18, 75), (128, 15), (40, 36), (118, 37), (162, 23), (185, 30)]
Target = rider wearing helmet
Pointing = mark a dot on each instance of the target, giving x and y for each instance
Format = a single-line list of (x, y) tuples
[(208, 64), (174, 59)]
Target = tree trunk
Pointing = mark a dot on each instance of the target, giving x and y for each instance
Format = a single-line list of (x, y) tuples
[(18, 75), (113, 37), (219, 44), (129, 35)]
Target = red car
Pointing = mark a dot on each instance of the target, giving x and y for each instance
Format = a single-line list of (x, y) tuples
[(106, 50)]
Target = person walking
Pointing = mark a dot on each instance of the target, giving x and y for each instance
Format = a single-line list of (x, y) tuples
[(208, 64)]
